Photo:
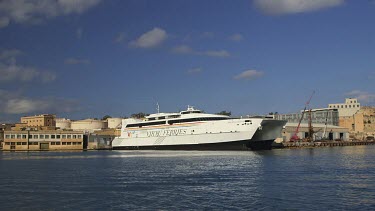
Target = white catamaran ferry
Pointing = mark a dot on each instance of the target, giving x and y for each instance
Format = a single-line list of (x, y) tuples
[(195, 130)]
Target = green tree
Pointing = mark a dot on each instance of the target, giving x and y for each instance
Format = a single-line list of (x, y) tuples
[(139, 115), (226, 113), (106, 117)]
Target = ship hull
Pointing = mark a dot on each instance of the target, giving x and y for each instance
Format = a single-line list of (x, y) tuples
[(257, 136), (241, 145)]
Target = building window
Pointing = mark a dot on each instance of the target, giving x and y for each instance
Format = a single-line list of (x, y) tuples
[(12, 143), (24, 143), (7, 136), (12, 136), (41, 136), (74, 136), (69, 143), (53, 136), (350, 106), (57, 143), (35, 143), (24, 136), (79, 136), (18, 136), (63, 143), (52, 143), (46, 136), (64, 136), (7, 143), (69, 136), (18, 143), (58, 136), (35, 136)]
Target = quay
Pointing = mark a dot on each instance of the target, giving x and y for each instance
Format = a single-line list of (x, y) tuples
[(301, 144)]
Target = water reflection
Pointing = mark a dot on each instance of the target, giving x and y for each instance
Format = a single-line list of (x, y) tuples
[(333, 178)]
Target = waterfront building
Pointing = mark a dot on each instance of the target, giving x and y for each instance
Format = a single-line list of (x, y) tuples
[(361, 124), (321, 131), (318, 116), (349, 108), (39, 120), (26, 140), (102, 139)]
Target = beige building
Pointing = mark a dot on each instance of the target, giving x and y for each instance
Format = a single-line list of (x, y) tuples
[(114, 122), (349, 108), (63, 123), (42, 140), (88, 125), (39, 120), (361, 123)]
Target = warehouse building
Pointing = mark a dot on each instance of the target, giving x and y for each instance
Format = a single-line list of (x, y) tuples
[(43, 140)]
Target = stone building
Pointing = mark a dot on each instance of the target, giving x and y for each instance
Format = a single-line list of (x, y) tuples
[(349, 108), (39, 120), (362, 123), (24, 140)]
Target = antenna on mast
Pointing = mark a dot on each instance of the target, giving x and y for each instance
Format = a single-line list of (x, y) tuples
[(158, 107)]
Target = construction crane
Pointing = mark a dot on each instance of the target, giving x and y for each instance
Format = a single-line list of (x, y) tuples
[(295, 136)]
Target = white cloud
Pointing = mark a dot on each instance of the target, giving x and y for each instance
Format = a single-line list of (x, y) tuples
[(15, 72), (35, 11), (362, 96), (76, 61), (150, 39), (279, 7), (194, 70), (219, 53), (15, 103), (10, 71), (184, 49), (236, 37), (249, 75)]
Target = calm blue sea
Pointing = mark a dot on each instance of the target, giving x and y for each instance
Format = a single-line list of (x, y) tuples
[(339, 178)]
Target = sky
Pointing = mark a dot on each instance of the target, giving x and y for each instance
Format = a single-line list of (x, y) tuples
[(89, 58)]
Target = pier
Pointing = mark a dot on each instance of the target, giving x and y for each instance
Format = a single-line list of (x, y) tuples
[(325, 144)]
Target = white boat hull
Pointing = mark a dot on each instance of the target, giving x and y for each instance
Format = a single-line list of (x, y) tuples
[(233, 134)]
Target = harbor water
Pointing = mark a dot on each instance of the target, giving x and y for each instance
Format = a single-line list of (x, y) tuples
[(333, 178)]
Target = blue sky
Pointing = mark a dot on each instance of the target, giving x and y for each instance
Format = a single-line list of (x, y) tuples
[(88, 58)]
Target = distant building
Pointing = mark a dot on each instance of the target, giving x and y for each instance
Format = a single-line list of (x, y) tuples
[(39, 120), (331, 132), (88, 125), (114, 122), (349, 108), (318, 116), (63, 123), (361, 123), (102, 139), (43, 140)]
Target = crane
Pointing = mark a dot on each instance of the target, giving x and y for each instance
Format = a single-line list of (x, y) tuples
[(295, 137)]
